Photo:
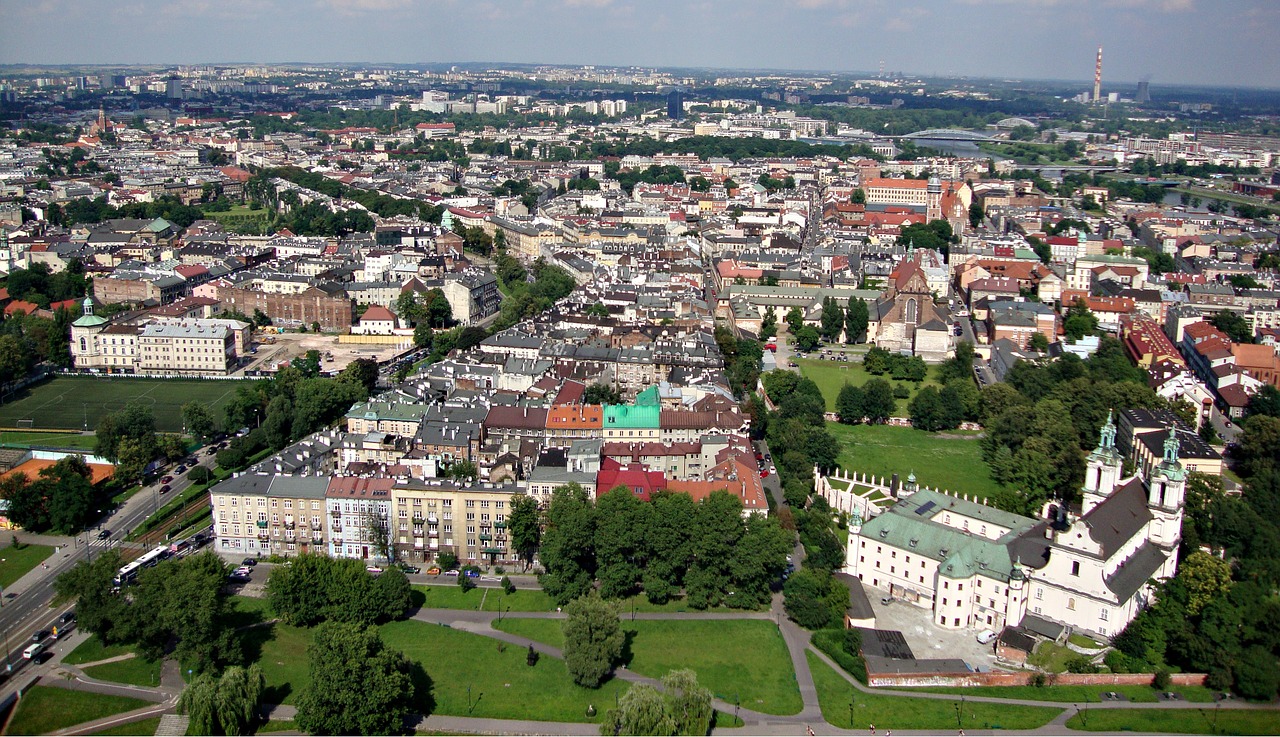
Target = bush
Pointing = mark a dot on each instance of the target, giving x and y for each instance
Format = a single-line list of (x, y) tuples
[(901, 392), (843, 646), (466, 583), (1039, 680), (508, 586), (1081, 664), (1162, 680)]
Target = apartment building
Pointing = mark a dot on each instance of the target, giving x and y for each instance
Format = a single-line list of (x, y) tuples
[(435, 516), (194, 347), (358, 510)]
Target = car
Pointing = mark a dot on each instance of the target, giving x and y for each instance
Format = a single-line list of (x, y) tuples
[(166, 489), (40, 636), (180, 469), (433, 571), (166, 479), (104, 534), (986, 636), (473, 574), (373, 569), (239, 578), (773, 347), (792, 364), (249, 562), (411, 569), (451, 573), (764, 473), (768, 457), (67, 618)]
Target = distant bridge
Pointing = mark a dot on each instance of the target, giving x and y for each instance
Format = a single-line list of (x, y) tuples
[(947, 134)]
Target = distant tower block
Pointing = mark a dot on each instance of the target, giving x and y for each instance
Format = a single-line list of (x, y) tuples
[(1097, 78), (1144, 92), (882, 67)]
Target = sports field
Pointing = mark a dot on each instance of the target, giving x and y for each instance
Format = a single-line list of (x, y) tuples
[(71, 402)]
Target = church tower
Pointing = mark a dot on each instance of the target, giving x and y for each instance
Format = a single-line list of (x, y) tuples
[(933, 199), (1102, 470), (1166, 495)]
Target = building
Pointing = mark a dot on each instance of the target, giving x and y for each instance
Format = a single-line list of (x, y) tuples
[(144, 343), (975, 566), (240, 515), (472, 295), (433, 516), (358, 510), (905, 319), (675, 105), (188, 347)]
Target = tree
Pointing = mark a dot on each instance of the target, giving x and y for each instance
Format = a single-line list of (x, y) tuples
[(601, 394), (814, 599), (593, 639), (976, 214), (436, 309), (1038, 343), (132, 457), (524, 527), (1235, 326), (769, 323), (794, 319), (567, 552), (408, 307), (928, 412), (621, 519), (89, 583), (362, 372), (198, 420), (878, 404), (807, 338), (227, 705), (1205, 578), (1265, 402), (856, 320), (1079, 321), (849, 405), (642, 710), (357, 685), (832, 319)]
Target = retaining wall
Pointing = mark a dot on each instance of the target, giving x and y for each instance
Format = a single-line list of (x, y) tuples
[(1023, 678)]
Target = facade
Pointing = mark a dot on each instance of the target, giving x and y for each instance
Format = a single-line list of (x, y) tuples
[(132, 344), (433, 516), (472, 295), (906, 320), (358, 510), (240, 515), (975, 566), (332, 308), (192, 347)]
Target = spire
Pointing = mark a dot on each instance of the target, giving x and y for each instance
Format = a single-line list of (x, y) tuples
[(1171, 448), (87, 305), (1107, 439)]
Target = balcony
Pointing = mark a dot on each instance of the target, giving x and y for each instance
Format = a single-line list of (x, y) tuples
[(434, 545), (337, 528), (417, 532), (317, 526), (337, 541), (418, 520), (335, 512), (434, 532), (500, 525), (264, 535), (484, 538), (262, 524), (317, 540), (290, 524)]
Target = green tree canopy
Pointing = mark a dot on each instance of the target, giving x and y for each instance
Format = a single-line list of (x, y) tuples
[(358, 686), (593, 639)]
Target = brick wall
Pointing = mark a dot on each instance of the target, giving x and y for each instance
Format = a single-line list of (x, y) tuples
[(1024, 679)]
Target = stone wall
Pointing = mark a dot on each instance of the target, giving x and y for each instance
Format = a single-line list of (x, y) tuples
[(1023, 678)]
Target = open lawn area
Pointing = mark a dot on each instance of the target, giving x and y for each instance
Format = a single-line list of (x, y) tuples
[(903, 712), (1197, 721), (1070, 694), (952, 462), (46, 709), (142, 726), (51, 439), (502, 685), (742, 659), (830, 376), (69, 402), (134, 670), (281, 650), (92, 650), (17, 562)]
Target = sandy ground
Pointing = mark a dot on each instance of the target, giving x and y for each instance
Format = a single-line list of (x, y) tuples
[(288, 346)]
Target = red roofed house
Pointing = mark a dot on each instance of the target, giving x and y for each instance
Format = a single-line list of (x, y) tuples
[(377, 320), (641, 481)]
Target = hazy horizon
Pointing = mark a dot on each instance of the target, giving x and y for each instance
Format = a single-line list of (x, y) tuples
[(1175, 42)]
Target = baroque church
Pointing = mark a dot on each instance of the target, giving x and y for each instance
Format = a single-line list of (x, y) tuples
[(1088, 567)]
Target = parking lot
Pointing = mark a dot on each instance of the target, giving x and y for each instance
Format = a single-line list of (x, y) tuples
[(927, 640)]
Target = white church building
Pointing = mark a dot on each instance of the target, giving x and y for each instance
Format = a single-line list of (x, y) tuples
[(979, 567)]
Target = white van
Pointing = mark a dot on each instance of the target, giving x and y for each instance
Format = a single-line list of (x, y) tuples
[(32, 651)]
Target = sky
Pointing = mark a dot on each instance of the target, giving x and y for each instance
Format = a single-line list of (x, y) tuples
[(1210, 42)]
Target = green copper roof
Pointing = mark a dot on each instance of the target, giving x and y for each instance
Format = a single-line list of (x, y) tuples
[(89, 321), (648, 396), (627, 416)]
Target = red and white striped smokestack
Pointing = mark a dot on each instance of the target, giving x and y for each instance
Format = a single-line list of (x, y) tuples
[(1097, 78)]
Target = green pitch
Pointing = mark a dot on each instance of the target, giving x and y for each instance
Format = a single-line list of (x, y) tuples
[(69, 402)]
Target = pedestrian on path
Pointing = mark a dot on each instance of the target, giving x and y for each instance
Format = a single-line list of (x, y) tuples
[(873, 728)]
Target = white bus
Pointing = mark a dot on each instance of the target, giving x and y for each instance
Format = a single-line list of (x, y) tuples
[(129, 573)]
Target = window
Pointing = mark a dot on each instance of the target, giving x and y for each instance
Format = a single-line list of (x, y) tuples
[(893, 554), (1103, 614), (1039, 594), (1075, 568), (1071, 604)]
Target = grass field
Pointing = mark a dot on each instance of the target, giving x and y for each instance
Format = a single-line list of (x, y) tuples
[(17, 562), (46, 709), (69, 402), (142, 726), (742, 659), (830, 376), (135, 670), (903, 712), (951, 463), (1071, 694), (92, 650), (1198, 721), (52, 439)]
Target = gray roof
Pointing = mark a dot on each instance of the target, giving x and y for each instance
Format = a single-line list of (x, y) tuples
[(1136, 571), (1119, 517)]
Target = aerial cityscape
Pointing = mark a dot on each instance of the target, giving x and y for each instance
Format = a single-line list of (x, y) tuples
[(395, 367)]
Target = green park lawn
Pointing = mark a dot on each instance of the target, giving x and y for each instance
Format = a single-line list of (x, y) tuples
[(1186, 721), (738, 659), (92, 650), (903, 712), (142, 726), (482, 599), (1070, 694), (71, 402), (135, 670), (52, 439), (46, 709), (830, 376), (952, 462), (17, 562)]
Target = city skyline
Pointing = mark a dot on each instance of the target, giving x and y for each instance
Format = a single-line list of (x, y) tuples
[(978, 38)]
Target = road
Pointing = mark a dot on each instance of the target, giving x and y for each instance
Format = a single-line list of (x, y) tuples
[(29, 611)]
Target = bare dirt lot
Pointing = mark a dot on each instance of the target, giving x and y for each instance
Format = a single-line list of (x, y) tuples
[(287, 346)]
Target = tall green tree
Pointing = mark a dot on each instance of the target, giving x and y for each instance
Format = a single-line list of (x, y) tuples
[(856, 320), (832, 319), (357, 684), (621, 519), (878, 403), (849, 405), (198, 420), (525, 528), (593, 639), (568, 553)]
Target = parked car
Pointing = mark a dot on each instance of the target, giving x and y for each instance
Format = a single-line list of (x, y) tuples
[(433, 571), (773, 347), (986, 636), (166, 489), (40, 636), (473, 574), (411, 569), (180, 469), (450, 573), (373, 569), (764, 473), (166, 479), (249, 562), (67, 618)]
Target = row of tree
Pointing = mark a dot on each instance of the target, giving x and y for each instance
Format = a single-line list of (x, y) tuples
[(706, 549)]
